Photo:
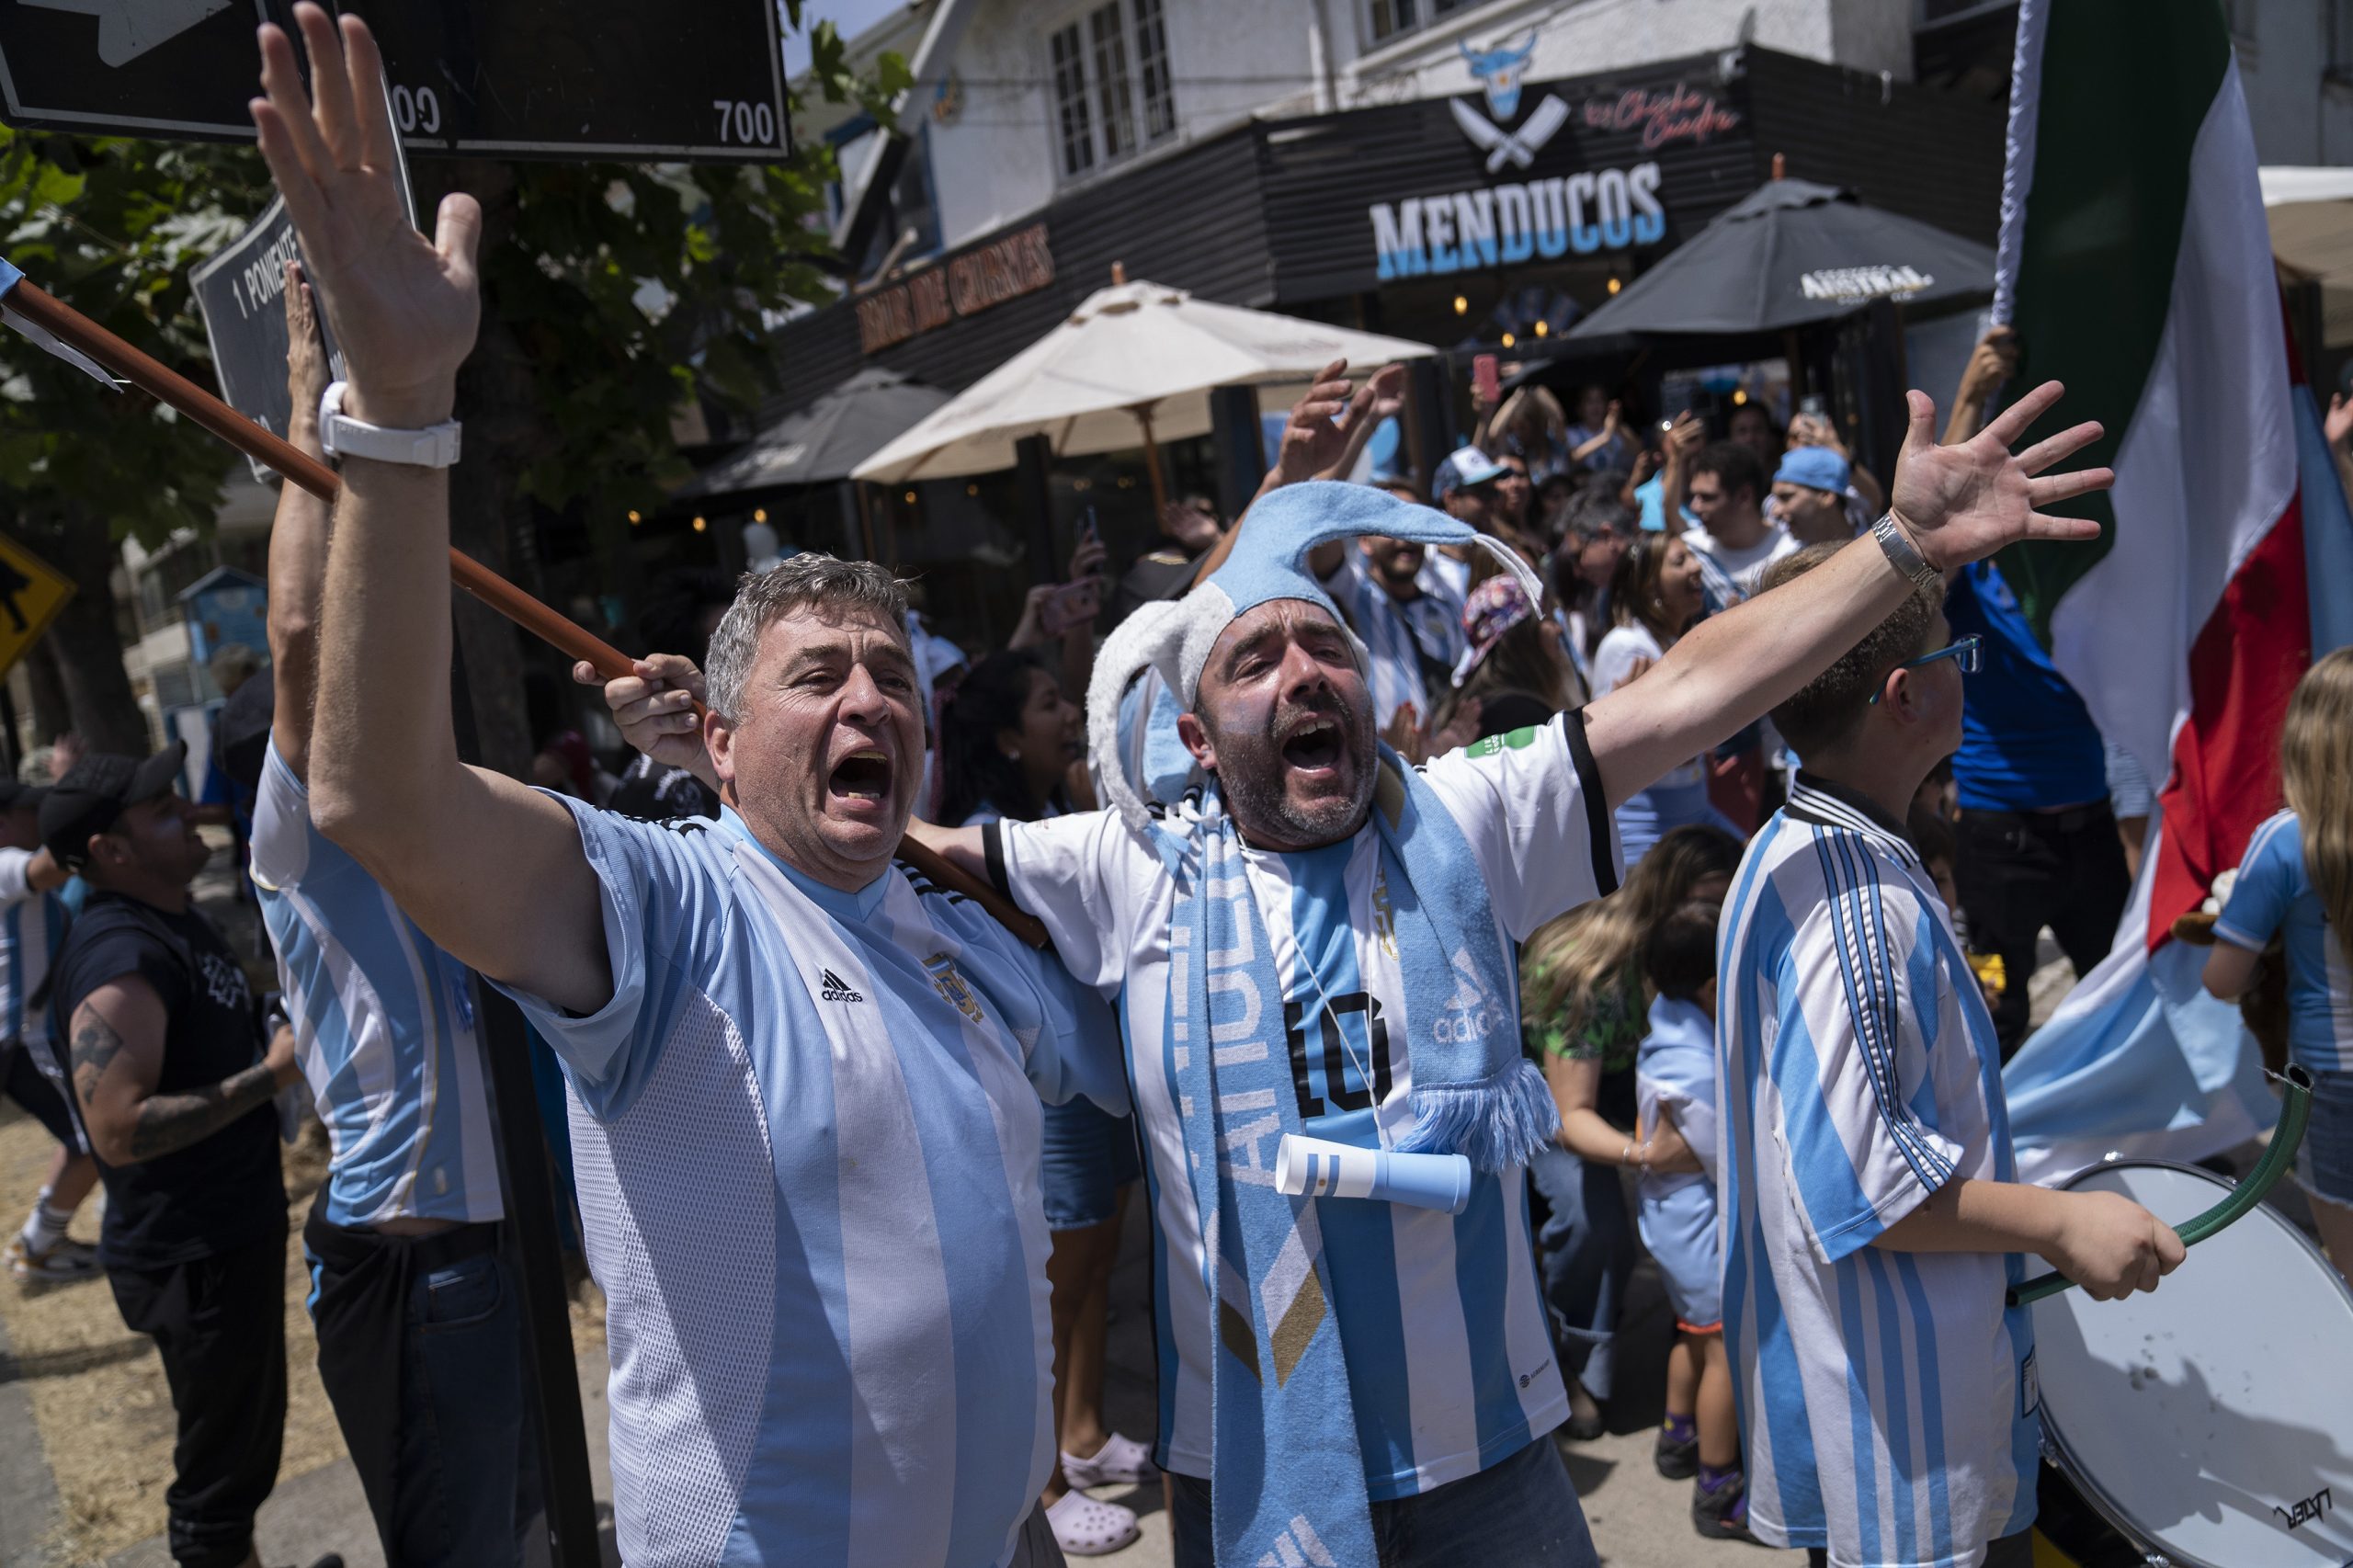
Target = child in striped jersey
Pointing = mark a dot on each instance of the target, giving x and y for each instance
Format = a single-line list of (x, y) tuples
[(1674, 1083), (2297, 882), (1872, 1211)]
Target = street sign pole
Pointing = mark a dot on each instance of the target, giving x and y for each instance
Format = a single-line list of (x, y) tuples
[(528, 1238)]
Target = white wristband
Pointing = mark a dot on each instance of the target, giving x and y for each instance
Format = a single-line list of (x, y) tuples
[(435, 445)]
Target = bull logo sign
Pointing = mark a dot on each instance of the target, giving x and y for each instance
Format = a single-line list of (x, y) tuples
[(1500, 72)]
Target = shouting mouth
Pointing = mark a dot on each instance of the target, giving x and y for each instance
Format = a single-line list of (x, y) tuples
[(1313, 748), (861, 781)]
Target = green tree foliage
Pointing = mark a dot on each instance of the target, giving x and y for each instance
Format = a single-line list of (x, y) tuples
[(111, 227), (613, 293)]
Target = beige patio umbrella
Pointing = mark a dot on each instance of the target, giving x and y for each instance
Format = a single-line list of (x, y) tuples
[(1133, 364), (2310, 211)]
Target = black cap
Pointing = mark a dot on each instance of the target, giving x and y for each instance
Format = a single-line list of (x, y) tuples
[(97, 791)]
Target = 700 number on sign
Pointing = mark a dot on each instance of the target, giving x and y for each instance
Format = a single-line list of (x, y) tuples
[(749, 125)]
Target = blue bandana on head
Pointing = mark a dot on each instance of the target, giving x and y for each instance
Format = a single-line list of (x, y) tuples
[(1290, 1479)]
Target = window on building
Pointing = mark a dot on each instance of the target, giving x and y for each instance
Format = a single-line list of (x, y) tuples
[(1077, 125), (1106, 65), (1152, 68), (1391, 19)]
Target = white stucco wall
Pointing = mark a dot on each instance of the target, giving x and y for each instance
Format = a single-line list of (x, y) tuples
[(998, 159), (2299, 116)]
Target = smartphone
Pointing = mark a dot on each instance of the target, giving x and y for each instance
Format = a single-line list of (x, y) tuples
[(1087, 529), (1485, 376), (1814, 405)]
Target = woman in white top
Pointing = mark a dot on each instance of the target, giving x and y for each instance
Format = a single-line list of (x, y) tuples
[(1654, 598)]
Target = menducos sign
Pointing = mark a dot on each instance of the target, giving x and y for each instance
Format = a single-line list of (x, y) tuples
[(1500, 225)]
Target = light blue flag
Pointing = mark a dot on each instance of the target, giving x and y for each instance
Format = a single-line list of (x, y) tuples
[(2138, 1062), (41, 337)]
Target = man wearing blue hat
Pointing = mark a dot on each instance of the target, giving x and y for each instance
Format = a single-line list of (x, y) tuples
[(1810, 495), (1319, 941), (1467, 487)]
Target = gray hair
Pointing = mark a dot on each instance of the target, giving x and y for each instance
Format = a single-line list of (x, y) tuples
[(760, 598)]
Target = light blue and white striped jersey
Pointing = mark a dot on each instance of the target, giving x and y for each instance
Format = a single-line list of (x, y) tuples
[(2275, 893), (1442, 1326), (1887, 1399), (31, 929), (386, 1024), (806, 1140), (1401, 638)]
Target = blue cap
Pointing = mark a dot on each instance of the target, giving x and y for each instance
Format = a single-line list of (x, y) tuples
[(1816, 468), (1269, 562), (1464, 467)]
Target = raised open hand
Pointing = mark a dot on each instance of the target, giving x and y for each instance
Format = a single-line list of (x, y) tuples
[(1312, 441), (306, 361), (1962, 503), (404, 307), (2337, 423)]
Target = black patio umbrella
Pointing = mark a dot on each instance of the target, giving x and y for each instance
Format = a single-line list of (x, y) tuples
[(823, 442), (1791, 254)]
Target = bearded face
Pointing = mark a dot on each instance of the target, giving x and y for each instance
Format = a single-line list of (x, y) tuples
[(1284, 721)]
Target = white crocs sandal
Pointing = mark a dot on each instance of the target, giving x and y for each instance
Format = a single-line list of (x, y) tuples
[(1122, 1461), (1084, 1528)]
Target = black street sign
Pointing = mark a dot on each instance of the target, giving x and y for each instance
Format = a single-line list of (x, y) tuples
[(241, 289), (700, 81)]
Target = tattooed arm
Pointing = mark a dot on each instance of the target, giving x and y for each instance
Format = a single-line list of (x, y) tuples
[(118, 1055)]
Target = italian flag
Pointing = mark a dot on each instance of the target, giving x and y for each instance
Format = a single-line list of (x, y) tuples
[(2136, 266)]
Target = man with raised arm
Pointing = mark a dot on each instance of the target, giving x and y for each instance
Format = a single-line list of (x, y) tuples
[(1319, 943), (420, 1321), (805, 1090)]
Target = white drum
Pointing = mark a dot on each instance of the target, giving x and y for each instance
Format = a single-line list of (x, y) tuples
[(2210, 1421)]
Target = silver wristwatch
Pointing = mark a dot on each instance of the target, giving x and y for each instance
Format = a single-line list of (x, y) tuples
[(435, 445), (1904, 555)]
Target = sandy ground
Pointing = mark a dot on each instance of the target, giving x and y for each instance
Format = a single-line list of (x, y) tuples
[(96, 1389)]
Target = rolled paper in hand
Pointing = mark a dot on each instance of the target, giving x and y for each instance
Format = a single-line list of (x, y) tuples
[(1314, 1167)]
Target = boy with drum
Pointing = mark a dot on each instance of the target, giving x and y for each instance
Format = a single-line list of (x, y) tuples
[(1873, 1215)]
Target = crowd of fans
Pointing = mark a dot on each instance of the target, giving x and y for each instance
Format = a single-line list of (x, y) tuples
[(1638, 541)]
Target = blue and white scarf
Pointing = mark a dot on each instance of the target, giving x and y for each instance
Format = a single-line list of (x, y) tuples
[(1290, 1478)]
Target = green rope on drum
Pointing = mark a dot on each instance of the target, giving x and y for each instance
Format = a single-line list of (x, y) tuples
[(2296, 1105)]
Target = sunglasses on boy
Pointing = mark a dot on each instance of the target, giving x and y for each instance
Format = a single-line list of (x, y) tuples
[(1969, 653)]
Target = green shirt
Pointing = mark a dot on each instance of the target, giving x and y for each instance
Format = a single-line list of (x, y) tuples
[(1611, 1032)]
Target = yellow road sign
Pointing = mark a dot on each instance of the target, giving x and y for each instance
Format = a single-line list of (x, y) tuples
[(31, 593)]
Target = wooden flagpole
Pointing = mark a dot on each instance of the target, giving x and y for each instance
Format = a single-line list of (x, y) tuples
[(168, 386)]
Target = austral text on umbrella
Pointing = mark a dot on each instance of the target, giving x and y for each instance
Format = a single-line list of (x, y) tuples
[(1505, 224)]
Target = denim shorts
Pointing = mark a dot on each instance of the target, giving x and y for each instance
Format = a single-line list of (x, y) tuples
[(2325, 1162), (1089, 1156)]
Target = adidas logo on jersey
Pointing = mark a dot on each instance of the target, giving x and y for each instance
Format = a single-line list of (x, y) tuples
[(832, 987)]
